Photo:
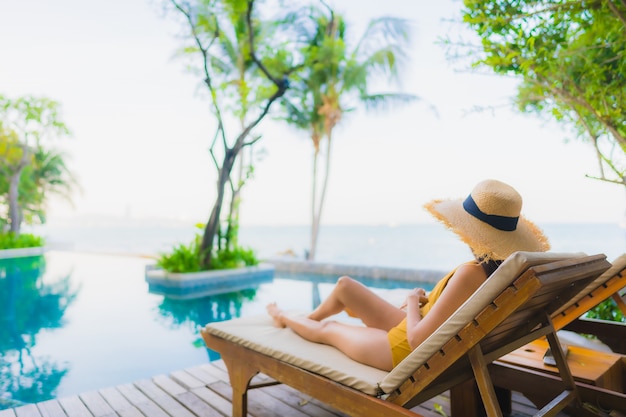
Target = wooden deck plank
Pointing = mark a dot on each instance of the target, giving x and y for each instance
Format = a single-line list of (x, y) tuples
[(119, 403), (218, 402), (141, 401), (162, 398), (197, 406), (153, 390), (96, 404), (201, 374), (260, 404), (429, 408), (187, 379), (28, 410), (51, 408), (218, 373), (300, 401), (74, 407), (7, 413), (173, 396), (220, 370)]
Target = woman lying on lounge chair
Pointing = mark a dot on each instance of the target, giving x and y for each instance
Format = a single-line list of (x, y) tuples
[(488, 220)]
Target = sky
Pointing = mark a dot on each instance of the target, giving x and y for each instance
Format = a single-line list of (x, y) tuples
[(140, 133)]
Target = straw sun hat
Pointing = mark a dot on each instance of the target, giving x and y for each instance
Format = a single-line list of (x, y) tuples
[(489, 221)]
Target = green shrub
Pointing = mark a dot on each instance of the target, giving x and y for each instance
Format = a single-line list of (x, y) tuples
[(606, 310), (24, 240), (183, 258), (187, 258), (234, 258)]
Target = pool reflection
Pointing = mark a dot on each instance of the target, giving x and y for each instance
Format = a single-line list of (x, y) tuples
[(197, 312), (28, 305)]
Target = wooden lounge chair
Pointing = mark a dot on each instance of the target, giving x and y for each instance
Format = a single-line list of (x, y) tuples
[(513, 307), (609, 285), (600, 377)]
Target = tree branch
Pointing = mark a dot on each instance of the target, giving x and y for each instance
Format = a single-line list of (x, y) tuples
[(207, 75), (618, 182), (278, 83), (579, 100), (616, 12), (594, 138), (253, 141), (215, 162)]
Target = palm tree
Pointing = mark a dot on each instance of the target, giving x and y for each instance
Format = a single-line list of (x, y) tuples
[(29, 176), (336, 80), (14, 157), (48, 175), (25, 123)]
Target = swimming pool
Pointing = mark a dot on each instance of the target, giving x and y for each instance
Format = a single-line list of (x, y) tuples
[(73, 322)]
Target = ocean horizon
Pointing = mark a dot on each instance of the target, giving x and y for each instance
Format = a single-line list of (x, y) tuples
[(418, 246)]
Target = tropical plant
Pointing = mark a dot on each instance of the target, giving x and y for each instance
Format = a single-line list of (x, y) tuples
[(188, 257), (30, 172), (334, 81), (570, 58), (606, 310), (10, 240), (244, 64)]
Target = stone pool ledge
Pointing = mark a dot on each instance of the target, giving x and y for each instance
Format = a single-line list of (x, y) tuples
[(22, 252), (205, 283), (356, 271)]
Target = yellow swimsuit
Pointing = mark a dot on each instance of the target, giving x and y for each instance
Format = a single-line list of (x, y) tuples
[(400, 348)]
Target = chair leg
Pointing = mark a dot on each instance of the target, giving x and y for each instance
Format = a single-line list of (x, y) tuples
[(619, 300), (505, 399), (569, 397), (240, 375), (485, 385), (465, 400)]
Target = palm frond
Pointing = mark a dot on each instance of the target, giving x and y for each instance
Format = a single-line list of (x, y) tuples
[(387, 101), (383, 31)]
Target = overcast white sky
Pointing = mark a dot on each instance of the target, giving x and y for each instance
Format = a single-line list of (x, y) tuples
[(140, 135)]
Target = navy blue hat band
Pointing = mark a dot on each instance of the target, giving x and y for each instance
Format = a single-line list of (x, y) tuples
[(507, 224)]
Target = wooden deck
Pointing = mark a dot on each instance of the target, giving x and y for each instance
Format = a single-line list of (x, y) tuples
[(204, 391)]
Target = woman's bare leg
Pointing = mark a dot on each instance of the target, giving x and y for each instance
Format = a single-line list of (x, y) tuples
[(363, 344), (351, 295)]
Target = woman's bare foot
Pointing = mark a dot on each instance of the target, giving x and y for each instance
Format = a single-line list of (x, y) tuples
[(276, 314)]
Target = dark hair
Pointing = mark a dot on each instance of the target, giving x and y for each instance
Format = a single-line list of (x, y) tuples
[(489, 266)]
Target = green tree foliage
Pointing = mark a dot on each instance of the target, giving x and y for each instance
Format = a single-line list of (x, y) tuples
[(336, 78), (607, 310), (570, 58), (30, 171), (244, 61)]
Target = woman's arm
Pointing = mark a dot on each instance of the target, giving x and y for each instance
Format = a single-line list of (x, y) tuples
[(464, 282)]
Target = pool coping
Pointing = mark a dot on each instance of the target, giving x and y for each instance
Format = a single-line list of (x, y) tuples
[(356, 271), (22, 252)]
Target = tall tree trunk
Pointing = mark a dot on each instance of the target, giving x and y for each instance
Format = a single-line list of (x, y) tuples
[(317, 216), (212, 225), (233, 210), (310, 255), (15, 212), (14, 208)]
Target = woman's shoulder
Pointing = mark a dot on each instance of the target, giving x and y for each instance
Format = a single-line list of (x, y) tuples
[(472, 270)]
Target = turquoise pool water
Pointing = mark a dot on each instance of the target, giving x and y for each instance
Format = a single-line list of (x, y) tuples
[(74, 322)]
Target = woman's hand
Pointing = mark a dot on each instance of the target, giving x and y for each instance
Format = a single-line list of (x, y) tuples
[(417, 297)]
